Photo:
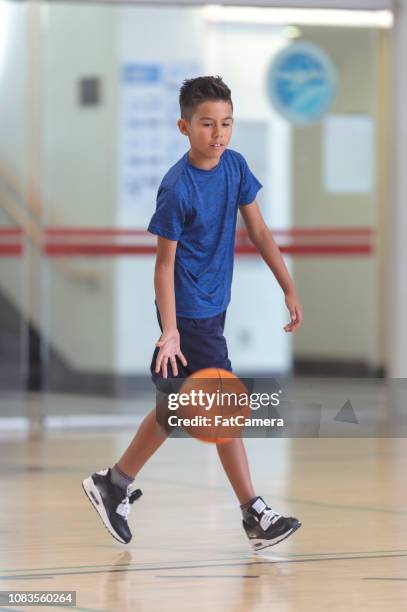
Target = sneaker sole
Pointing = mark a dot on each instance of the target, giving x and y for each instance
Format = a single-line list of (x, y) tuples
[(92, 493), (259, 544)]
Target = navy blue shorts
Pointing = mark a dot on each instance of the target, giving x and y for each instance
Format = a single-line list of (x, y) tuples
[(202, 344)]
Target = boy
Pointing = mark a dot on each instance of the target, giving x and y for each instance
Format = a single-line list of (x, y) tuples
[(195, 221)]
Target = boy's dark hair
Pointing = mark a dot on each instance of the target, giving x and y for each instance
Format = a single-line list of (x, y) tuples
[(195, 91)]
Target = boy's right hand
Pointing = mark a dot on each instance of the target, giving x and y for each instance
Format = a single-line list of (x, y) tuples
[(169, 349)]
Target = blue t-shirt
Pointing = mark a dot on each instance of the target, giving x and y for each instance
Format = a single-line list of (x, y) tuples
[(198, 208)]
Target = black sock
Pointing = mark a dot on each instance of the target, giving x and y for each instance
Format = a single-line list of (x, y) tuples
[(245, 507), (257, 505), (119, 478)]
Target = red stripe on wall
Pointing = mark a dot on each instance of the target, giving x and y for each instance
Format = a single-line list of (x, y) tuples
[(10, 250), (109, 242)]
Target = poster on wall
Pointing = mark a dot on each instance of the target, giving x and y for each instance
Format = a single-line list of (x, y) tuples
[(349, 154), (150, 142)]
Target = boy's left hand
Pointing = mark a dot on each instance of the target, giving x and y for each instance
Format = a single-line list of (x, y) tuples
[(295, 309)]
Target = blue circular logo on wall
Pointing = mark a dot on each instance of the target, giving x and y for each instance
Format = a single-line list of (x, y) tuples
[(301, 83)]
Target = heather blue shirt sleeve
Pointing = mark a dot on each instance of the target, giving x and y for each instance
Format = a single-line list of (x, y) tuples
[(249, 185), (170, 214)]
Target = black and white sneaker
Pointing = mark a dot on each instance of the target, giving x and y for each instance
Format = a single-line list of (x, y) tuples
[(112, 504), (264, 527)]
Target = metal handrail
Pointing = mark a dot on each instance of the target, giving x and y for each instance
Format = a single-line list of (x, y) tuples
[(26, 218)]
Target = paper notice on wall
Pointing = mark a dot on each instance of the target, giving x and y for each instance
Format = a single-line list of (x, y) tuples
[(150, 142), (348, 154)]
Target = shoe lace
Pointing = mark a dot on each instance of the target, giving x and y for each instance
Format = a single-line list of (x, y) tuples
[(269, 517), (124, 507)]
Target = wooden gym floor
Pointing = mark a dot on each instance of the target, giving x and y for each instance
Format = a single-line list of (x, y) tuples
[(189, 551)]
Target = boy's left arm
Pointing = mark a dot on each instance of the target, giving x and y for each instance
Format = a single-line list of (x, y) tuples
[(263, 240)]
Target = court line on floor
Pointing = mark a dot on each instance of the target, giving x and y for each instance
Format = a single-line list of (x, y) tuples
[(29, 577), (199, 566), (348, 552), (373, 554), (100, 565), (286, 499), (383, 578), (182, 577)]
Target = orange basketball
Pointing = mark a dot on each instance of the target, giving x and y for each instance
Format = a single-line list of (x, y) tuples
[(213, 405)]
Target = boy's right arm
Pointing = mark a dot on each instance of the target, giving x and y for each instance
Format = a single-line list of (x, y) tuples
[(169, 342)]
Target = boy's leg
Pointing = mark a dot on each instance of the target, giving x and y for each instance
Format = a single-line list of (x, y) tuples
[(147, 440), (150, 435), (234, 460), (109, 489), (263, 526)]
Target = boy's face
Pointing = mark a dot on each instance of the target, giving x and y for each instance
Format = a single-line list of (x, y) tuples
[(209, 130)]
